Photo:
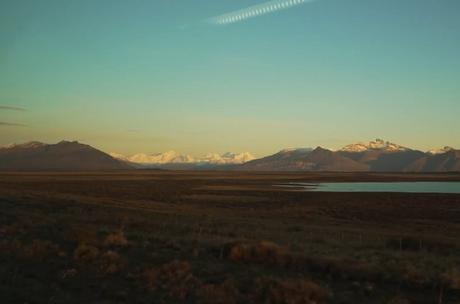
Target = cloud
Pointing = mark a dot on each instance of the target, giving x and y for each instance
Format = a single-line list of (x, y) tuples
[(12, 108), (11, 124), (255, 11)]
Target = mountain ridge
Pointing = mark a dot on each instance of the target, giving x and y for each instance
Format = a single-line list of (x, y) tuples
[(374, 156)]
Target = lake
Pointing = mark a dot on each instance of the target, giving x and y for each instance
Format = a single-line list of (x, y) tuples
[(408, 187)]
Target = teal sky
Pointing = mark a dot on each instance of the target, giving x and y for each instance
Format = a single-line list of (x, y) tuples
[(149, 76)]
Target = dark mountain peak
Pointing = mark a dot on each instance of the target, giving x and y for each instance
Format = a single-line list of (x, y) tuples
[(67, 142), (321, 149), (65, 155), (320, 159)]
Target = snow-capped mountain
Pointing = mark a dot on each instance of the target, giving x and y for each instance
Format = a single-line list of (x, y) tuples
[(172, 157), (378, 144), (227, 158), (169, 157), (440, 151)]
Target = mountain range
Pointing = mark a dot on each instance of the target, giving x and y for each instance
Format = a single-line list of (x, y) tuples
[(375, 156)]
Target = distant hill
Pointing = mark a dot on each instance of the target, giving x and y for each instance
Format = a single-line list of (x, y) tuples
[(442, 162), (64, 155), (385, 161), (305, 160), (281, 161)]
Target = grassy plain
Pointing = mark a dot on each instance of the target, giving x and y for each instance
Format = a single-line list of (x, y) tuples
[(223, 237)]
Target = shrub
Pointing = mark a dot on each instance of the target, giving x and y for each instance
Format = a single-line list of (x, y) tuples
[(291, 291), (175, 278), (451, 279), (262, 252), (69, 273), (225, 293), (85, 253), (111, 263), (116, 239), (414, 277)]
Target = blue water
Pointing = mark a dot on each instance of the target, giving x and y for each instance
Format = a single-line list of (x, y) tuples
[(408, 187)]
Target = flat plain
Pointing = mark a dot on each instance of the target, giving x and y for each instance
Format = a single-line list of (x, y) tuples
[(151, 236)]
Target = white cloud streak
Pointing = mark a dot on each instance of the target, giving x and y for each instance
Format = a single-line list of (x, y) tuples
[(255, 11)]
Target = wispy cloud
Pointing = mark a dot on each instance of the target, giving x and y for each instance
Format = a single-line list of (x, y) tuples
[(255, 11), (12, 108), (11, 124)]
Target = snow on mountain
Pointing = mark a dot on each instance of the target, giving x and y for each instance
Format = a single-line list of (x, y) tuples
[(440, 151), (288, 150), (378, 144), (118, 156), (172, 157), (227, 158), (27, 145), (169, 157)]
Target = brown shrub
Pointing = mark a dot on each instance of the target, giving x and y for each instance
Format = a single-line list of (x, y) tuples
[(225, 293), (451, 279), (262, 252), (292, 291), (85, 253), (415, 277), (175, 278), (343, 268), (111, 263), (116, 239)]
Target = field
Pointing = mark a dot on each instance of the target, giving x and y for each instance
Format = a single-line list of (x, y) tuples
[(223, 237)]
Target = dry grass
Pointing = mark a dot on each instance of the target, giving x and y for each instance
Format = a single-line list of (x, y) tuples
[(120, 228)]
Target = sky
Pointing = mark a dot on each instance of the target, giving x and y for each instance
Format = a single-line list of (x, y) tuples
[(157, 75)]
